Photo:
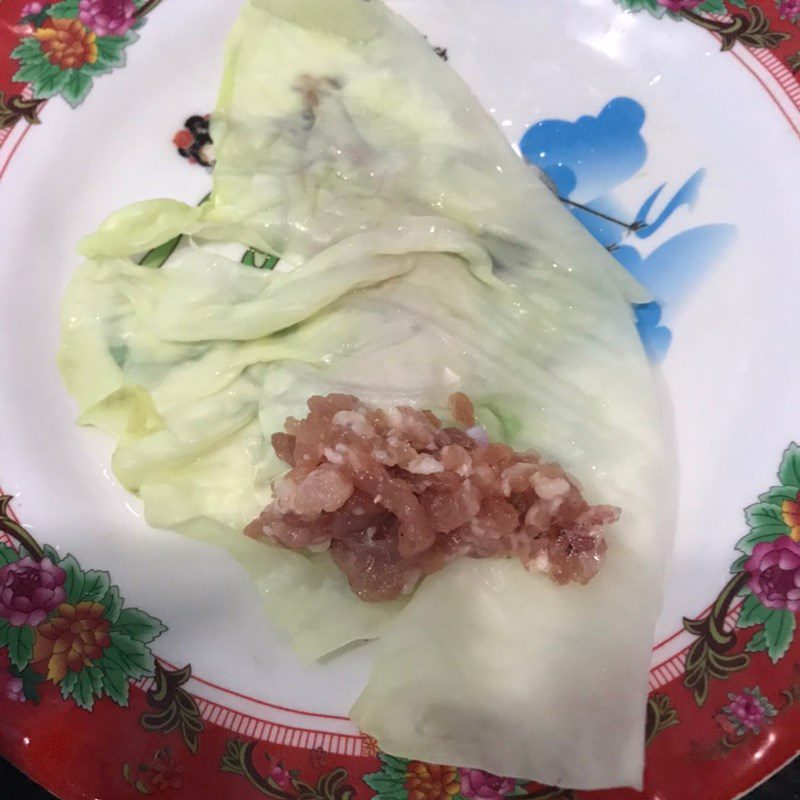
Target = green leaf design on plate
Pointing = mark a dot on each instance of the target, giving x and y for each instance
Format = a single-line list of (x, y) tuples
[(51, 84), (113, 604), (651, 6), (111, 50), (760, 514), (388, 784), (738, 565), (27, 50), (140, 627), (763, 533), (88, 686), (73, 585), (132, 657), (36, 20), (35, 67), (30, 682), (789, 472), (779, 632), (766, 524), (777, 494), (67, 684), (386, 787), (753, 612), (7, 555), (157, 257), (24, 552), (20, 645), (66, 9), (133, 33), (115, 682), (28, 72), (51, 553), (99, 67), (259, 260), (95, 677), (5, 627), (758, 642), (395, 764), (395, 791), (712, 7), (95, 586), (77, 85)]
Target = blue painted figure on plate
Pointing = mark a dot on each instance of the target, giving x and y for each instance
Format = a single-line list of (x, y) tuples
[(585, 160)]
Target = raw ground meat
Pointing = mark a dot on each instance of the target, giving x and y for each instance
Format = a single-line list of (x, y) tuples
[(393, 495)]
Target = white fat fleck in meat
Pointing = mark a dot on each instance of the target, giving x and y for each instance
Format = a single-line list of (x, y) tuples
[(537, 518), (319, 547), (541, 563), (285, 490), (395, 416), (354, 420), (333, 456), (324, 489), (553, 504), (549, 488), (424, 465), (456, 459), (517, 477)]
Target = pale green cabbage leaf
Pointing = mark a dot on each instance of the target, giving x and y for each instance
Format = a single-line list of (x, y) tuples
[(419, 256)]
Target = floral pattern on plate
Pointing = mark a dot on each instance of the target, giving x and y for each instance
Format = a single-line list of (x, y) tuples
[(66, 625), (745, 708)]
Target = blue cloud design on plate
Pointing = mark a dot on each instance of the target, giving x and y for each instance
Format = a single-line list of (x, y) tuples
[(586, 160)]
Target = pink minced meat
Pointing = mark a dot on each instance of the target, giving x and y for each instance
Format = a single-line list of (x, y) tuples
[(393, 495)]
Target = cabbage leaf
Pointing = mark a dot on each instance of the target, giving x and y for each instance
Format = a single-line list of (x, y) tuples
[(418, 256)]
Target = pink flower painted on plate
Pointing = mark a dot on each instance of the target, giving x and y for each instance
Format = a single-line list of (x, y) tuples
[(319, 756), (166, 773), (30, 590), (679, 5), (748, 710), (35, 7), (280, 775), (11, 687), (788, 9), (774, 570), (107, 17), (479, 785)]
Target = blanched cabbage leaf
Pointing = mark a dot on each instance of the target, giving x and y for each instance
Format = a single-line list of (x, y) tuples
[(418, 256)]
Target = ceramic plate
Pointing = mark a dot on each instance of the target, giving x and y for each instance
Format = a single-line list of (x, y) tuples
[(670, 129)]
